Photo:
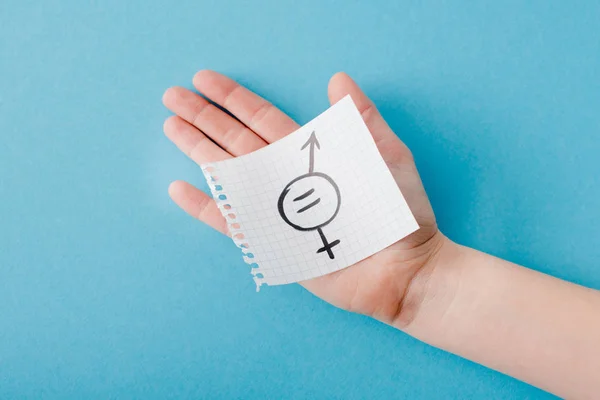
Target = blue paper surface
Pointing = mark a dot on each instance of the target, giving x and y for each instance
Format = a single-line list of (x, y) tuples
[(107, 290)]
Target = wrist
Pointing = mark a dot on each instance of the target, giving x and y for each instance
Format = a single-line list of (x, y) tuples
[(432, 289)]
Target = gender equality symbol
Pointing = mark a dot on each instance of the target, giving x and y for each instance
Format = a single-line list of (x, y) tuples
[(300, 203)]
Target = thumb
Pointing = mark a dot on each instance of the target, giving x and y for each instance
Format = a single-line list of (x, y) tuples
[(341, 85)]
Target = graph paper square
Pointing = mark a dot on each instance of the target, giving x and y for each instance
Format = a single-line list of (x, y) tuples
[(317, 201)]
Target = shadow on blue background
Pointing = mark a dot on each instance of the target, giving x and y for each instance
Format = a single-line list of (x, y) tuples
[(107, 290)]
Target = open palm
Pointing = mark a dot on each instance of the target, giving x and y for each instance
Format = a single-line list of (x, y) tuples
[(376, 286)]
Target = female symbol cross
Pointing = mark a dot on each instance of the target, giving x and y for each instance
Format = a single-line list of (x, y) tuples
[(311, 201)]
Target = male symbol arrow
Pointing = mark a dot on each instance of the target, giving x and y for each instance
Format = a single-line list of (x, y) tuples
[(312, 142)]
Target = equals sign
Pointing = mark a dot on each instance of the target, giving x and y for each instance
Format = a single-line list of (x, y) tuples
[(309, 206)]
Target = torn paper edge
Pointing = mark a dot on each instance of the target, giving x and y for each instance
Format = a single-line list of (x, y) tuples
[(234, 229)]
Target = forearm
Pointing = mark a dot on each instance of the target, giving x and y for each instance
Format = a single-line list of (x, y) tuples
[(528, 325)]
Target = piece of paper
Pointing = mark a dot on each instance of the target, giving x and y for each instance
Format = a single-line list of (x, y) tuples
[(314, 202)]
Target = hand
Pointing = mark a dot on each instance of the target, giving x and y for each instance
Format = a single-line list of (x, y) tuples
[(379, 286)]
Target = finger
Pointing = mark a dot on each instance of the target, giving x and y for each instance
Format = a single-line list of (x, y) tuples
[(341, 85), (258, 114), (192, 142), (198, 204), (226, 131)]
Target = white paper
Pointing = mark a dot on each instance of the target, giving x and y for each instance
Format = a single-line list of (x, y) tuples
[(294, 221)]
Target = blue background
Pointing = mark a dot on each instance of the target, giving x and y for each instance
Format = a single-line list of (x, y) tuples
[(107, 290)]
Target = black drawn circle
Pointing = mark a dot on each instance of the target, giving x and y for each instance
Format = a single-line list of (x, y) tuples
[(287, 189)]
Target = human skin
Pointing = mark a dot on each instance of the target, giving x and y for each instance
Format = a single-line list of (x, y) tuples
[(526, 324)]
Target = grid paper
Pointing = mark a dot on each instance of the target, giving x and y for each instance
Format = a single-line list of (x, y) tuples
[(371, 212)]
